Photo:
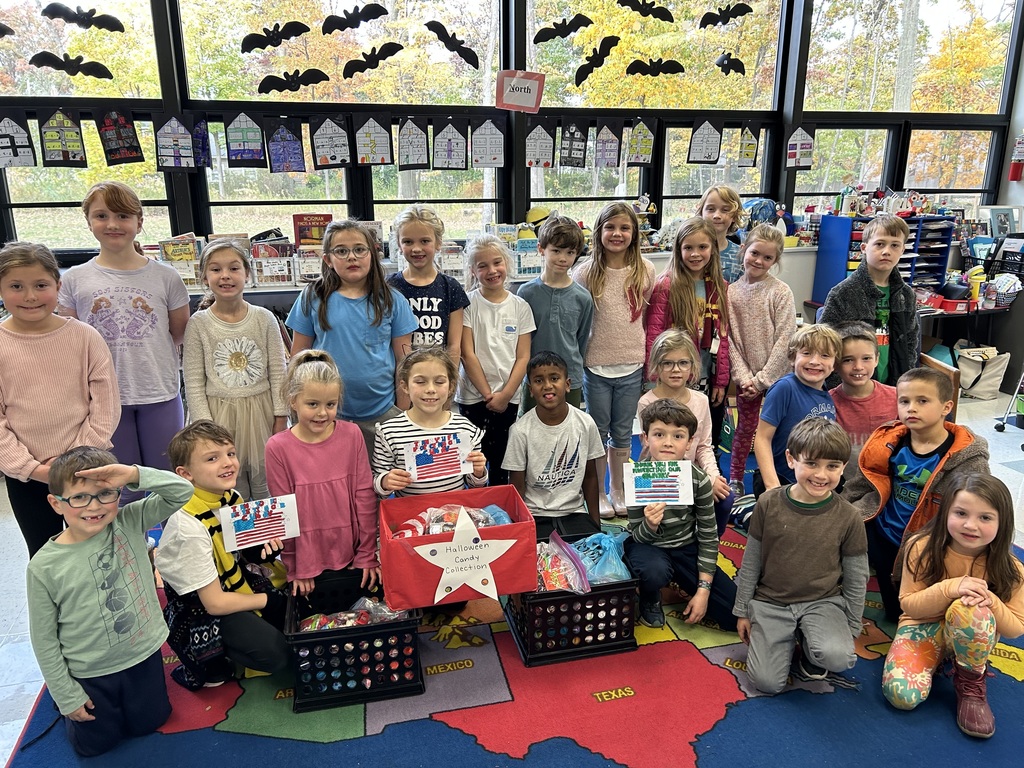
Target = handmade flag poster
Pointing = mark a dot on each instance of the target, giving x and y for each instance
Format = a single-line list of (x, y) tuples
[(434, 458), (572, 149), (244, 137), (608, 144), (413, 146), (256, 522), (118, 138), (451, 144), (488, 143), (800, 149), (650, 482), (640, 147), (16, 150), (748, 145), (201, 141), (284, 144), (374, 145), (60, 134), (705, 143), (174, 147), (540, 142), (331, 141)]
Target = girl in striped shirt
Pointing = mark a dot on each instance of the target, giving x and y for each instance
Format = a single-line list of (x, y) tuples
[(426, 376)]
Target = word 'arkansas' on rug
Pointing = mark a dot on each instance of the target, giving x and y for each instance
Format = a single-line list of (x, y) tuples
[(681, 699)]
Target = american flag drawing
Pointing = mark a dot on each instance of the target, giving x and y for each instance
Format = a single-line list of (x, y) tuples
[(651, 490), (257, 522), (658, 481), (434, 458)]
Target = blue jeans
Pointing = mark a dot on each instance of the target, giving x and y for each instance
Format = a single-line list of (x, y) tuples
[(612, 404)]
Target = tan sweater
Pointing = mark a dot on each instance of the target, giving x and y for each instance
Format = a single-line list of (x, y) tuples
[(57, 391), (762, 317), (615, 338)]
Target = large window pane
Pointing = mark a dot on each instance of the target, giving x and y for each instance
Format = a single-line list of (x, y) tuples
[(67, 228), (684, 179), (844, 157), (908, 55), (566, 182), (130, 55), (947, 159), (250, 219), (423, 72), (753, 39), (461, 220)]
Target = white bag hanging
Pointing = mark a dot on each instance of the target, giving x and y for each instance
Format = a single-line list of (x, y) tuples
[(981, 370)]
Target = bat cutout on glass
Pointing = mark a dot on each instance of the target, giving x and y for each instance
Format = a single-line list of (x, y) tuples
[(84, 19), (645, 8), (292, 81), (597, 59), (352, 19), (371, 59), (728, 64), (5, 31), (562, 28), (72, 66), (655, 67), (273, 37), (724, 15), (453, 44)]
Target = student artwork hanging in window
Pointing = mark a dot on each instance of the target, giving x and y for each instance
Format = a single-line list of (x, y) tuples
[(331, 141), (201, 141), (284, 144), (174, 148), (608, 144), (16, 150), (451, 144), (488, 145), (373, 139), (61, 139), (572, 150), (748, 145), (244, 137), (413, 149), (800, 148), (119, 139), (540, 142), (705, 143), (640, 147)]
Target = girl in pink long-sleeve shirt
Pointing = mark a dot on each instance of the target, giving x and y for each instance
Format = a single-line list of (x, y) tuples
[(58, 389), (323, 462)]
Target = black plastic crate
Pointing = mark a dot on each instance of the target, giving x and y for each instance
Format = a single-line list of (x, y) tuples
[(562, 626), (350, 665)]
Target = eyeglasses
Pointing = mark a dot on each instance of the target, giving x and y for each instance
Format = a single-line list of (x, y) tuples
[(359, 252), (80, 500), (670, 365)]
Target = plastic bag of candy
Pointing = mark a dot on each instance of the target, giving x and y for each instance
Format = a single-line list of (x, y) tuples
[(601, 554), (377, 610), (559, 567), (337, 620)]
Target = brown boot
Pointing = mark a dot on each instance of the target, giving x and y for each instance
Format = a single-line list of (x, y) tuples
[(973, 714)]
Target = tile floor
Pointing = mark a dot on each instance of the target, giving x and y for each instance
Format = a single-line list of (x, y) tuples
[(20, 679)]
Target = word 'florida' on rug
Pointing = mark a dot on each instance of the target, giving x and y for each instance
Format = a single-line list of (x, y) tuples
[(681, 699)]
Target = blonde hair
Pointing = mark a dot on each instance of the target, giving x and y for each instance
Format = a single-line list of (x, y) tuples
[(120, 198), (311, 366), (594, 269), (682, 293), (418, 214), (215, 246), (734, 205), (819, 338), (674, 340), (20, 254), (765, 233), (478, 245)]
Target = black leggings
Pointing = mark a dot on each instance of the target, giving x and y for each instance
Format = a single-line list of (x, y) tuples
[(496, 427), (36, 518)]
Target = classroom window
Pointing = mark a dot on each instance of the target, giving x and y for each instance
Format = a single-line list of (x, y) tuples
[(752, 39), (947, 159), (689, 180), (423, 72), (565, 182), (908, 56)]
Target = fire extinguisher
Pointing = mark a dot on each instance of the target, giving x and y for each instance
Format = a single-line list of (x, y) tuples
[(1017, 159)]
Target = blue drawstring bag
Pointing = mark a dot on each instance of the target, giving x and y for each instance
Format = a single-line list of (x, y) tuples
[(601, 554)]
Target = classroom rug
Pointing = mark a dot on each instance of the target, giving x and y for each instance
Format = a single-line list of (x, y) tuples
[(680, 699)]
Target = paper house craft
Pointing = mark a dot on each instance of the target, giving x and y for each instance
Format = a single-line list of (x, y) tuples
[(62, 141), (119, 139), (607, 148), (174, 146), (640, 146), (573, 150), (488, 146), (285, 150), (373, 143), (330, 144), (450, 148), (540, 148), (15, 145), (412, 145), (245, 142)]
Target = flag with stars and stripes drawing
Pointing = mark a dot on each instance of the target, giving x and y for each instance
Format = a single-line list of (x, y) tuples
[(650, 482), (438, 456)]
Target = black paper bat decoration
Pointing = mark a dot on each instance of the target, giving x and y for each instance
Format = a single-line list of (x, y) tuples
[(73, 66), (355, 17), (728, 64), (84, 19), (5, 30), (273, 37), (645, 8), (371, 59), (596, 59), (724, 15), (562, 28), (292, 81), (452, 43), (654, 67)]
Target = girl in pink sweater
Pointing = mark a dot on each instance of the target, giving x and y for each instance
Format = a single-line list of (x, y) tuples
[(763, 317), (619, 280), (323, 462), (57, 387)]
